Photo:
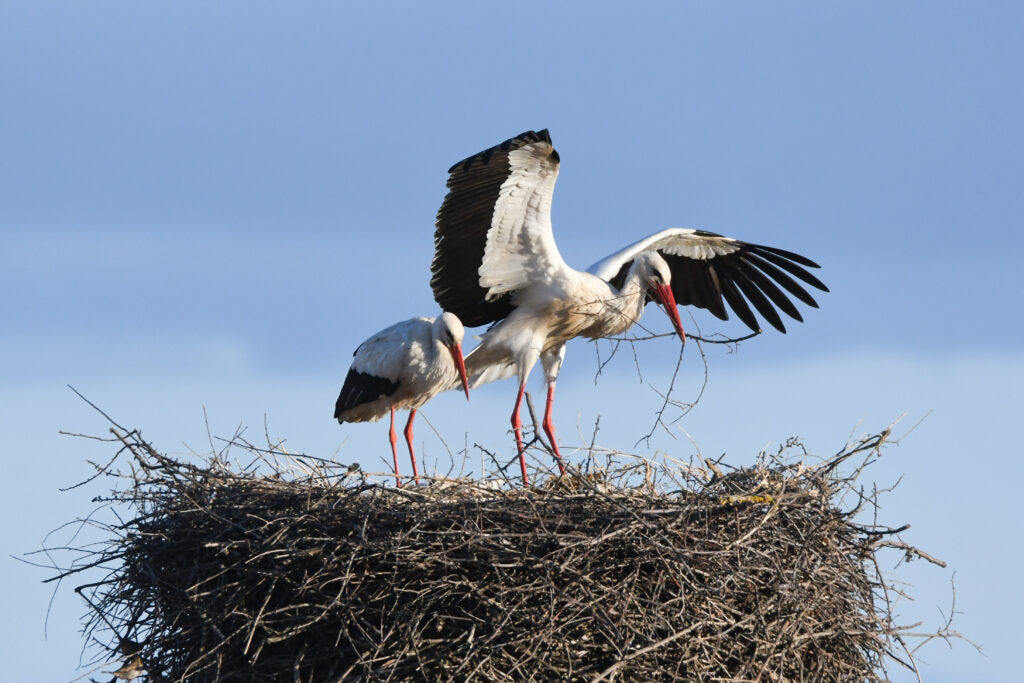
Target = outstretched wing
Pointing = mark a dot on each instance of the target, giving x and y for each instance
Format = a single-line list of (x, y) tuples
[(710, 271), (493, 233)]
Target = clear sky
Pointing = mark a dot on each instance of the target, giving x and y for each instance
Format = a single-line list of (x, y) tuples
[(212, 204)]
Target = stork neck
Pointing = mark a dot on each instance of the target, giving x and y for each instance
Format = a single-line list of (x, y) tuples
[(625, 306)]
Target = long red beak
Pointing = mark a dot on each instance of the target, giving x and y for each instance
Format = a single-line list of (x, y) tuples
[(665, 297), (456, 350)]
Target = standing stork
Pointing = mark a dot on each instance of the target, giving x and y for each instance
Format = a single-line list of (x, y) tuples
[(403, 366), (496, 261)]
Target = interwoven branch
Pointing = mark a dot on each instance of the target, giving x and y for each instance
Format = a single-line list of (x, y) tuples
[(317, 572)]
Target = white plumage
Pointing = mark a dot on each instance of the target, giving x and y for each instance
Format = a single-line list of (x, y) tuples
[(402, 367), (496, 261)]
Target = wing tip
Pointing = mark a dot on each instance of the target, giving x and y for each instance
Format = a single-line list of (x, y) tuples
[(524, 138)]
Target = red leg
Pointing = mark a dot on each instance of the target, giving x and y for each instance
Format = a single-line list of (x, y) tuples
[(394, 451), (408, 440), (517, 429), (549, 429)]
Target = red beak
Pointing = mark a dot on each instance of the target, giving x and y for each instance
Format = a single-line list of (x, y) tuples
[(460, 365), (664, 296)]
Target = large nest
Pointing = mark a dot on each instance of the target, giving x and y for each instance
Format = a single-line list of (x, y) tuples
[(627, 572)]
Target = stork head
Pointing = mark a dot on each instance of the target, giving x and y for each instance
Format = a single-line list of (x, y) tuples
[(657, 278), (449, 331)]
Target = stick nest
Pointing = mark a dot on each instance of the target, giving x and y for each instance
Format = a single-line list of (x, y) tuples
[(628, 572)]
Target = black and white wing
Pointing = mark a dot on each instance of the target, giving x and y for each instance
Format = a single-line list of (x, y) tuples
[(378, 367), (493, 233), (710, 271)]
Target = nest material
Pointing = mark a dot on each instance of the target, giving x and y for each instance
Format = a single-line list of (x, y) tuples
[(683, 574)]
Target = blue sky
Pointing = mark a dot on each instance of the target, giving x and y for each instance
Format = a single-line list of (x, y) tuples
[(211, 205)]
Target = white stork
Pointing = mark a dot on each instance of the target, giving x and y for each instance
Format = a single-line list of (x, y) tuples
[(403, 366), (495, 261)]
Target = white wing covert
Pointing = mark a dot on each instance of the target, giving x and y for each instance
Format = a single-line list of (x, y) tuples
[(386, 354)]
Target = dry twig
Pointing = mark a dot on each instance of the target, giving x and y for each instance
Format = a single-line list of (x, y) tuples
[(632, 571)]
